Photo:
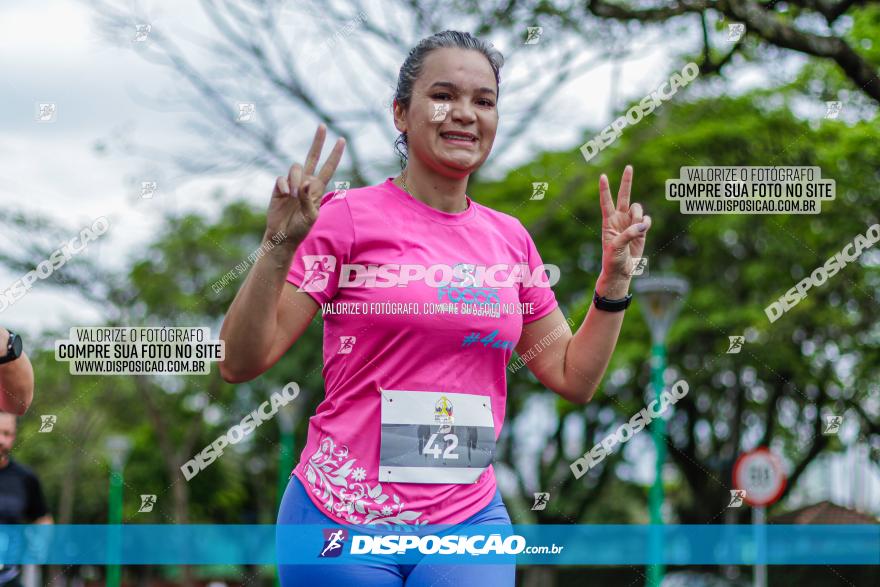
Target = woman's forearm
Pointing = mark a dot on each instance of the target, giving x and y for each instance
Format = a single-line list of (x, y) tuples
[(249, 326), (16, 386), (590, 349)]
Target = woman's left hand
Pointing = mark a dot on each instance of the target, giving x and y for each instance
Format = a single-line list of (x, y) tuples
[(623, 228)]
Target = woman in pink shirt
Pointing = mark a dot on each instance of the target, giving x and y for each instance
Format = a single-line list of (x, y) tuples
[(425, 295)]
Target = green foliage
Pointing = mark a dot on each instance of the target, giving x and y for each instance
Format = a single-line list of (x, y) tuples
[(736, 265)]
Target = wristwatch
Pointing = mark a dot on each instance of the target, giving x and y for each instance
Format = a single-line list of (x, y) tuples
[(13, 349), (607, 305)]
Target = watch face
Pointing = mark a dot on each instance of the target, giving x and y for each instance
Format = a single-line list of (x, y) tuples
[(16, 346)]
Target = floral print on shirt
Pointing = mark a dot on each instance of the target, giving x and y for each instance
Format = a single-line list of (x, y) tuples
[(342, 488)]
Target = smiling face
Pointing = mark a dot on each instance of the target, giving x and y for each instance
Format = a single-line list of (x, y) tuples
[(454, 93)]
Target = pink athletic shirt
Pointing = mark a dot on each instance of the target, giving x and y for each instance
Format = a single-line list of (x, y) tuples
[(419, 337)]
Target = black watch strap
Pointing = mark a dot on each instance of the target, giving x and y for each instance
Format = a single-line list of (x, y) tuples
[(13, 348), (607, 305)]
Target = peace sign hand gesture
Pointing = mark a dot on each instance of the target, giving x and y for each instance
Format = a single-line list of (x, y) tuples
[(293, 208), (623, 228)]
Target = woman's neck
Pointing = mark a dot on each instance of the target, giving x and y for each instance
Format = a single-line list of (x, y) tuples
[(446, 194)]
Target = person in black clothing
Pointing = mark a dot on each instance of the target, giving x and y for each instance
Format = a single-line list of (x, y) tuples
[(21, 497)]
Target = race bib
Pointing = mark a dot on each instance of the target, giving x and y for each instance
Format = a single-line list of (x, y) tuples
[(435, 437)]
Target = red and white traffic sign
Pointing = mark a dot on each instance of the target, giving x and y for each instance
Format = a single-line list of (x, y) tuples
[(759, 473)]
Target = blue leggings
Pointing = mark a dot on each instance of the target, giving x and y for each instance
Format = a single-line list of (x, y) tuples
[(297, 508)]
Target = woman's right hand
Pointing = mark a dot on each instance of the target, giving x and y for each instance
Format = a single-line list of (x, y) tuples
[(293, 208)]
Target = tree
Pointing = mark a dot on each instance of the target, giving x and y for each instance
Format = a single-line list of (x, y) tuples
[(791, 372), (265, 57), (790, 26), (168, 418)]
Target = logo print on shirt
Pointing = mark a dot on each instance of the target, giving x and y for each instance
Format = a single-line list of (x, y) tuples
[(443, 411), (469, 295), (333, 541), (346, 344), (474, 337), (318, 270)]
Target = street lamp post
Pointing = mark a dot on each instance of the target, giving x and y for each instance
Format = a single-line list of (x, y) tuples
[(660, 300), (118, 448)]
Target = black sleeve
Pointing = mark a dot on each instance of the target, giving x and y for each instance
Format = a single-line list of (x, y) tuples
[(36, 503)]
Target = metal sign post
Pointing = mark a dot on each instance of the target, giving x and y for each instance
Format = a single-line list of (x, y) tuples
[(759, 473), (759, 520)]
